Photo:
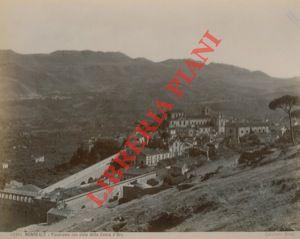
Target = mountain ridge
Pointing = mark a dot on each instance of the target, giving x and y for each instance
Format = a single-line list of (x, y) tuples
[(124, 56), (135, 81)]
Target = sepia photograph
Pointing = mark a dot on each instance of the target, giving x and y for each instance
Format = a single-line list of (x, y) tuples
[(146, 117)]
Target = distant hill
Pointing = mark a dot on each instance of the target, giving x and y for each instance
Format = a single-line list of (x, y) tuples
[(127, 84)]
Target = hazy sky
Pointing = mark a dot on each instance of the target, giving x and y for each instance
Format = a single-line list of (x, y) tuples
[(258, 35)]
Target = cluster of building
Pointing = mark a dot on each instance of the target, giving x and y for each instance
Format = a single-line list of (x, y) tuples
[(185, 132)]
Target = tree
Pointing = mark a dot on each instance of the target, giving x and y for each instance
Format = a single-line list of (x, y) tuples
[(2, 182), (104, 148), (79, 156), (296, 114), (286, 103)]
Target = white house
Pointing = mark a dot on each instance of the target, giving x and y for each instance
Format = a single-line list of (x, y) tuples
[(91, 143), (176, 148), (40, 159), (151, 157), (4, 165), (283, 130)]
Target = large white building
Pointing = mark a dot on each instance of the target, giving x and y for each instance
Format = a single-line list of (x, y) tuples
[(205, 123), (190, 122)]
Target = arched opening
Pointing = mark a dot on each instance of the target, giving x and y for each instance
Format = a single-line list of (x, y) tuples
[(82, 183), (90, 180)]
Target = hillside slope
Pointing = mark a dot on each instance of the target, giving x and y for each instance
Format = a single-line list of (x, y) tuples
[(116, 77), (263, 198)]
